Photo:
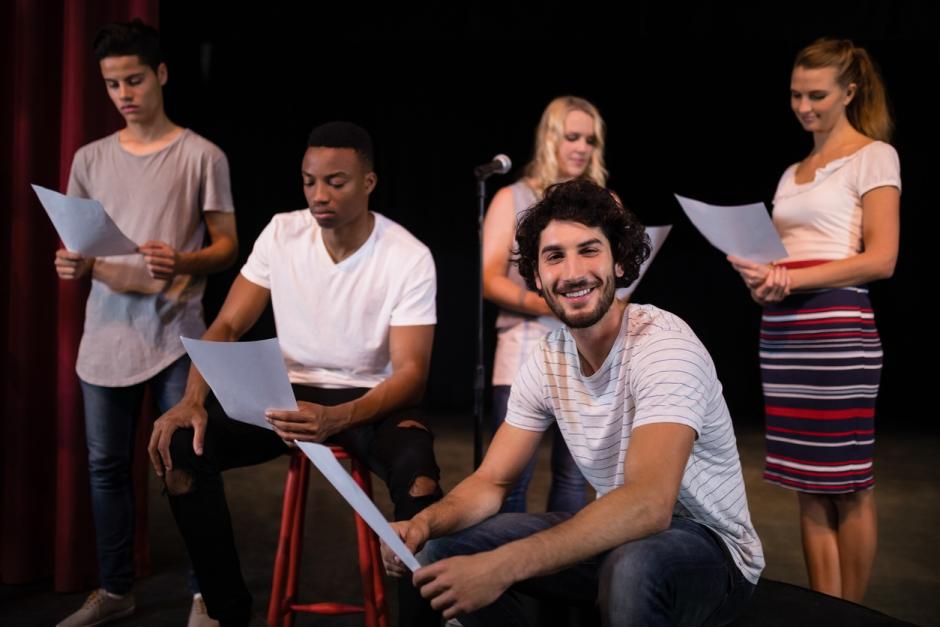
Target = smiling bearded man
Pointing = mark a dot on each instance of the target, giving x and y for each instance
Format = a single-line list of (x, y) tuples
[(669, 539)]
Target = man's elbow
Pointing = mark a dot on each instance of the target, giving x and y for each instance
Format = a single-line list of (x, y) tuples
[(230, 255), (659, 519), (659, 514), (419, 383)]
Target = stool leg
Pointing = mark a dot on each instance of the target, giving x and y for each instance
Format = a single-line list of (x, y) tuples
[(378, 583), (276, 604), (296, 540), (366, 557)]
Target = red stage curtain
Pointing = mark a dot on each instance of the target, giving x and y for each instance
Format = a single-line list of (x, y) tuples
[(56, 102)]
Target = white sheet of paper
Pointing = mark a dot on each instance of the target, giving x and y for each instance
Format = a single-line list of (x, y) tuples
[(248, 378), (326, 463), (745, 231), (657, 235), (83, 225)]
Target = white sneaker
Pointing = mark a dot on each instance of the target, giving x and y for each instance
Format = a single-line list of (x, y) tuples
[(199, 616), (100, 608)]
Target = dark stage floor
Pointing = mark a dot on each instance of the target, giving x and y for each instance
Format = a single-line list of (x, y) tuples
[(905, 585)]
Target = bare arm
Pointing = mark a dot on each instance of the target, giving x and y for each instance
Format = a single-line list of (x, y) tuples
[(410, 352), (881, 226), (642, 506), (480, 495), (242, 308), (476, 498), (164, 262), (499, 236)]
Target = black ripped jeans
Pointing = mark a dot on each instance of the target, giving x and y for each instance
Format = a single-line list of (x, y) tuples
[(397, 455)]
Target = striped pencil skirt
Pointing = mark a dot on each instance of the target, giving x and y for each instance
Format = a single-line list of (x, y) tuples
[(820, 358)]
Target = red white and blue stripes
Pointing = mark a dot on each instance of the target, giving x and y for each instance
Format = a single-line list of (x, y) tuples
[(820, 359)]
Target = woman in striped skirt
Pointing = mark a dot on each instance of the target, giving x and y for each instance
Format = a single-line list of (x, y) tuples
[(837, 212)]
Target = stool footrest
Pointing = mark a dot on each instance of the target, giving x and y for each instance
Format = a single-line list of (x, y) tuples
[(331, 609)]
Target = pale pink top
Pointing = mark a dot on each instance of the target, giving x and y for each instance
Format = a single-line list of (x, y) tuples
[(822, 219)]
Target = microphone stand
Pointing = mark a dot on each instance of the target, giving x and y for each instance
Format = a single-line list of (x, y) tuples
[(479, 373), (499, 165)]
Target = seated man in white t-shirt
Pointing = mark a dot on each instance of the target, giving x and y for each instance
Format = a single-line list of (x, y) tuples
[(669, 540), (353, 295)]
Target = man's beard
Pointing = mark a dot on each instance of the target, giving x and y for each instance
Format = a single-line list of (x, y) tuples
[(582, 319)]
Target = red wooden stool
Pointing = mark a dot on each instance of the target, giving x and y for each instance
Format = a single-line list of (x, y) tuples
[(284, 603)]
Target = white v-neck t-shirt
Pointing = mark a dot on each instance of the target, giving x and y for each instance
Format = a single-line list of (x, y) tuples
[(333, 318)]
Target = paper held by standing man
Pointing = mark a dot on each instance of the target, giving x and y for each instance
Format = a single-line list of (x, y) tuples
[(83, 225)]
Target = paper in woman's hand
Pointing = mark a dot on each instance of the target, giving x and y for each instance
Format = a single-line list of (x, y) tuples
[(744, 231)]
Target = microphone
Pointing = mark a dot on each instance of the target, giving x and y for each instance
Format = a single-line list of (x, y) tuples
[(499, 165)]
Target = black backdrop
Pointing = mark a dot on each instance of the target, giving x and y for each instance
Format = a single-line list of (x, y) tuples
[(700, 108)]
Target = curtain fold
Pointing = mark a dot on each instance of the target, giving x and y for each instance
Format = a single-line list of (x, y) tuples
[(58, 103)]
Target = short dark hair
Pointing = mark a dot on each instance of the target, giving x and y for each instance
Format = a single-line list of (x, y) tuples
[(129, 38), (343, 135), (589, 204)]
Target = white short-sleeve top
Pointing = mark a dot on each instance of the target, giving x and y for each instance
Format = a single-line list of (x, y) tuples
[(822, 219)]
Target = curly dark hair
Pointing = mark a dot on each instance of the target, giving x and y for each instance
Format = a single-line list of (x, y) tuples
[(129, 38), (584, 202)]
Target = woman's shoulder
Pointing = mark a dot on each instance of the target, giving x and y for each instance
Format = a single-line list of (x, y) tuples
[(878, 150)]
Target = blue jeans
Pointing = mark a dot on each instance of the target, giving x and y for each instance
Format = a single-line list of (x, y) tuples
[(111, 416), (568, 489), (681, 576)]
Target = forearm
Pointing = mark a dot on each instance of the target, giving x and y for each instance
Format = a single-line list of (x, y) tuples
[(404, 388), (502, 291), (856, 270), (217, 256), (473, 500), (622, 515)]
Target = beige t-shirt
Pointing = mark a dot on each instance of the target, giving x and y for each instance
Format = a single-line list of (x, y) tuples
[(133, 322)]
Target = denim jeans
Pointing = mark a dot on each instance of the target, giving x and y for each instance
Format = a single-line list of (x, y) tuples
[(111, 417), (568, 488), (681, 576)]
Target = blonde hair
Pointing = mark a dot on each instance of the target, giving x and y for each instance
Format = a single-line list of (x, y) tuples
[(542, 171), (868, 111)]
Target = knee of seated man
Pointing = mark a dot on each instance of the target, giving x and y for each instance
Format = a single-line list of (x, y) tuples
[(410, 456), (433, 551), (178, 482), (632, 568), (179, 479)]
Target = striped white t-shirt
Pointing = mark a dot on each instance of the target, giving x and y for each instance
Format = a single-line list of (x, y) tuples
[(657, 371)]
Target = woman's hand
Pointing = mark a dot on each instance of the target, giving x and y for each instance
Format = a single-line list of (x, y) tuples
[(753, 273), (775, 287)]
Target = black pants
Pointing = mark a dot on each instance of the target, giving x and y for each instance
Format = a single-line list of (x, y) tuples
[(397, 455)]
